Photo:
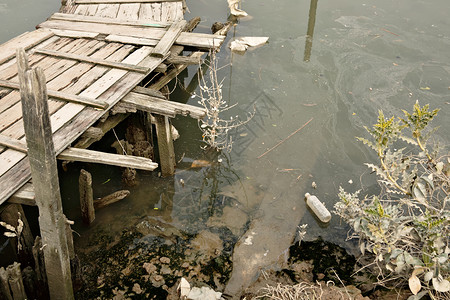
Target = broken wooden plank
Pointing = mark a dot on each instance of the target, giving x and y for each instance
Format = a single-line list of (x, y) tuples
[(91, 156), (62, 96), (168, 39), (183, 60), (163, 107), (87, 59), (120, 1), (101, 20)]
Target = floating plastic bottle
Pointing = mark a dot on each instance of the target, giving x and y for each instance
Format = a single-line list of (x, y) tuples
[(318, 208)]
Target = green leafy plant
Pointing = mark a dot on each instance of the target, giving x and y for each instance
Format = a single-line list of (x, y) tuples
[(406, 228)]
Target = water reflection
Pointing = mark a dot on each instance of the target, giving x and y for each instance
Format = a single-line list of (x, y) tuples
[(310, 31)]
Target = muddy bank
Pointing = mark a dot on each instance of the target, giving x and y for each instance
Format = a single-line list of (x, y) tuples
[(142, 265)]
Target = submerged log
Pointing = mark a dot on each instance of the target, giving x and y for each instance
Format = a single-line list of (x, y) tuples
[(110, 199)]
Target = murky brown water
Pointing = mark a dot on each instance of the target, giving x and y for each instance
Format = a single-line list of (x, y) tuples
[(364, 56)]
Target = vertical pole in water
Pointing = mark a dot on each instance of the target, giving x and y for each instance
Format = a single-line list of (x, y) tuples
[(165, 145), (86, 197), (310, 31), (42, 157)]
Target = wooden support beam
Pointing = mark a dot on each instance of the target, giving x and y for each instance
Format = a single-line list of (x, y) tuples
[(24, 196), (121, 1), (41, 155), (168, 39), (87, 59), (85, 141), (165, 145), (86, 197), (162, 107), (91, 156), (61, 96), (163, 81)]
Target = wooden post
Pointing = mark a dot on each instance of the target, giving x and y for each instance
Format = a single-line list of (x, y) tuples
[(4, 285), (42, 158), (165, 145), (86, 197), (15, 281)]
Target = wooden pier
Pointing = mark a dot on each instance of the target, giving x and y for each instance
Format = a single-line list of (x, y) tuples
[(101, 60)]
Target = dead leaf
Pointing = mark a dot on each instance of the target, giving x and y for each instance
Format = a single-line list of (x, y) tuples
[(441, 285), (414, 284)]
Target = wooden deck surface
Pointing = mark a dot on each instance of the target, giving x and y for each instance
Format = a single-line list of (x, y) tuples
[(93, 53)]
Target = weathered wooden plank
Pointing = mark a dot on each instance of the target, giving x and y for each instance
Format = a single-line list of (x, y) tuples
[(92, 10), (156, 11), (143, 32), (9, 69), (171, 11), (75, 34), (88, 59), (52, 68), (46, 185), (20, 173), (11, 143), (126, 161), (25, 195), (26, 41), (162, 107), (61, 95), (185, 60), (121, 1), (81, 9), (107, 10), (198, 40), (145, 12), (163, 46), (202, 41), (10, 157), (128, 11), (117, 21)]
